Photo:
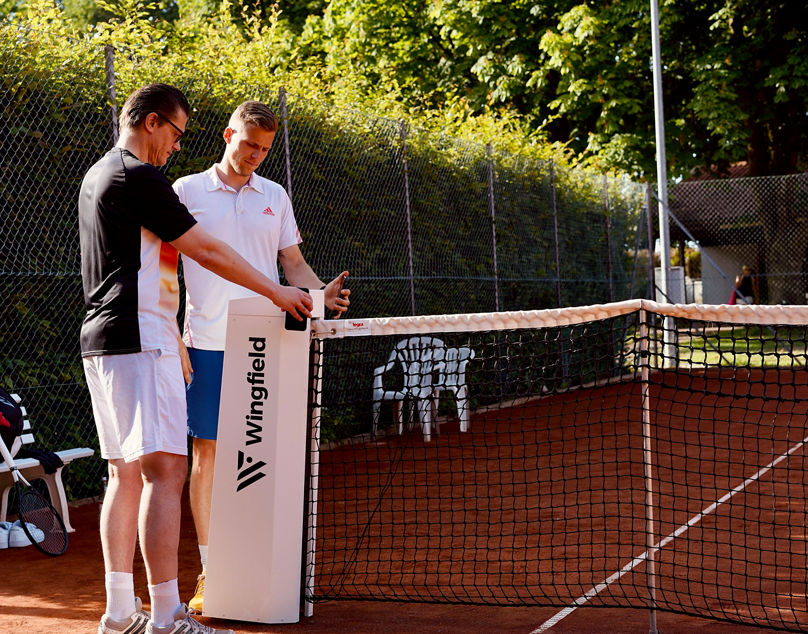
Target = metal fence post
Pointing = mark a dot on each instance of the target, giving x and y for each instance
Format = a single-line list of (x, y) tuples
[(637, 237), (109, 69), (607, 231), (651, 273), (286, 154), (493, 222), (555, 234), (409, 215)]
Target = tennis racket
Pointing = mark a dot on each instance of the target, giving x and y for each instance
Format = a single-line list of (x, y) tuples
[(40, 521)]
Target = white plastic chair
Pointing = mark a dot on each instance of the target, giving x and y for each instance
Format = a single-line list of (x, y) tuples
[(420, 361), (452, 378)]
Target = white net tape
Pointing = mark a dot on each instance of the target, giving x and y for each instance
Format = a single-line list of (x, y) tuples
[(471, 322)]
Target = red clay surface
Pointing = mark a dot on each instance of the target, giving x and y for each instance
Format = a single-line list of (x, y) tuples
[(543, 501), (41, 595)]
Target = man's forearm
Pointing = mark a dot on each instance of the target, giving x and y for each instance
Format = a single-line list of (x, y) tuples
[(220, 258), (227, 263), (302, 275)]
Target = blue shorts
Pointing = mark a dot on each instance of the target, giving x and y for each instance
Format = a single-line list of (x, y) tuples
[(203, 392)]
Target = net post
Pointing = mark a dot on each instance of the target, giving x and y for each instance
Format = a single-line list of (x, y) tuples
[(109, 70), (312, 472), (651, 576)]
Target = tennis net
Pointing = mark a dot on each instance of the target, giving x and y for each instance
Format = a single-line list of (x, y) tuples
[(624, 455)]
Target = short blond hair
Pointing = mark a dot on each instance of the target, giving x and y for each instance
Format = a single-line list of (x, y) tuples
[(255, 113)]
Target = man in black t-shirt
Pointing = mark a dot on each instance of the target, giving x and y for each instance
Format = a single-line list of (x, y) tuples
[(131, 225)]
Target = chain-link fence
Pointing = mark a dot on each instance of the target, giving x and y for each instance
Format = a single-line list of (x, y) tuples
[(758, 222), (425, 224)]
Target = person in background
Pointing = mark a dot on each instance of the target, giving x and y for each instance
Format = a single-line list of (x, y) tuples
[(746, 284)]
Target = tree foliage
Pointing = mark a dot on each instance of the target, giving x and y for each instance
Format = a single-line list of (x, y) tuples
[(525, 72), (734, 72)]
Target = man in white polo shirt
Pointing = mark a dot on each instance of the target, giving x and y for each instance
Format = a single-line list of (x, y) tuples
[(254, 216)]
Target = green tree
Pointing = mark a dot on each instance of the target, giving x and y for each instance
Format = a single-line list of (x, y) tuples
[(734, 80), (734, 72)]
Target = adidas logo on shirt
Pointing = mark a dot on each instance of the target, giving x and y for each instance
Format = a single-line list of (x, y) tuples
[(268, 212)]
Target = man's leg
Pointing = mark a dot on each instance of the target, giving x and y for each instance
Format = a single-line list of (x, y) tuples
[(119, 516), (201, 491), (119, 511), (159, 524), (201, 487), (202, 396)]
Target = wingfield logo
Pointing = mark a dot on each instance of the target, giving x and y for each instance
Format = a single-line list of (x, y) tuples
[(250, 470), (246, 469)]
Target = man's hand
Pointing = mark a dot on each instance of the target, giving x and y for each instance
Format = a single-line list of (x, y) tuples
[(336, 297), (185, 361), (294, 301)]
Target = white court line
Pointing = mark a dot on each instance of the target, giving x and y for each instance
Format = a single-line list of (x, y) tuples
[(639, 559)]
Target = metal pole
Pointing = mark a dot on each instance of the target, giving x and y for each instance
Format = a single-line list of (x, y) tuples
[(109, 69), (409, 215), (555, 235), (637, 237), (607, 230), (662, 169), (668, 349), (493, 222), (286, 153), (651, 272)]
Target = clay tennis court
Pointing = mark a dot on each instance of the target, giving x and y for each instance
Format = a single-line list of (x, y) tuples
[(39, 595), (539, 502), (544, 500)]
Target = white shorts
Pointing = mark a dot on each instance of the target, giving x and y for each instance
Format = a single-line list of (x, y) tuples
[(138, 403)]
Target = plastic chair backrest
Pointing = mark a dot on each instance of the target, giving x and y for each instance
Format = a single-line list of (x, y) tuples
[(455, 365), (419, 357)]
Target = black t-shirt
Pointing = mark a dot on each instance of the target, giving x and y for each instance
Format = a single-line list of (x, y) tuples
[(127, 212), (746, 287)]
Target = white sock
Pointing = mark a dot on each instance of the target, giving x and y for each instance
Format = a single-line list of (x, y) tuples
[(120, 588), (165, 601), (203, 556)]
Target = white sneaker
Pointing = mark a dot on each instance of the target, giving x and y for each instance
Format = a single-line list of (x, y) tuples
[(5, 527), (184, 624), (17, 537), (135, 624)]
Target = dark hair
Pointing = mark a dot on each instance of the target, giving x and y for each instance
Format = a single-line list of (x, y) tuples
[(163, 99), (257, 114)]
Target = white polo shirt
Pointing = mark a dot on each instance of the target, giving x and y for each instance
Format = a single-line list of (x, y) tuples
[(256, 221)]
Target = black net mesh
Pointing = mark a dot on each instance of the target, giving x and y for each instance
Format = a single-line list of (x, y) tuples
[(604, 462)]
